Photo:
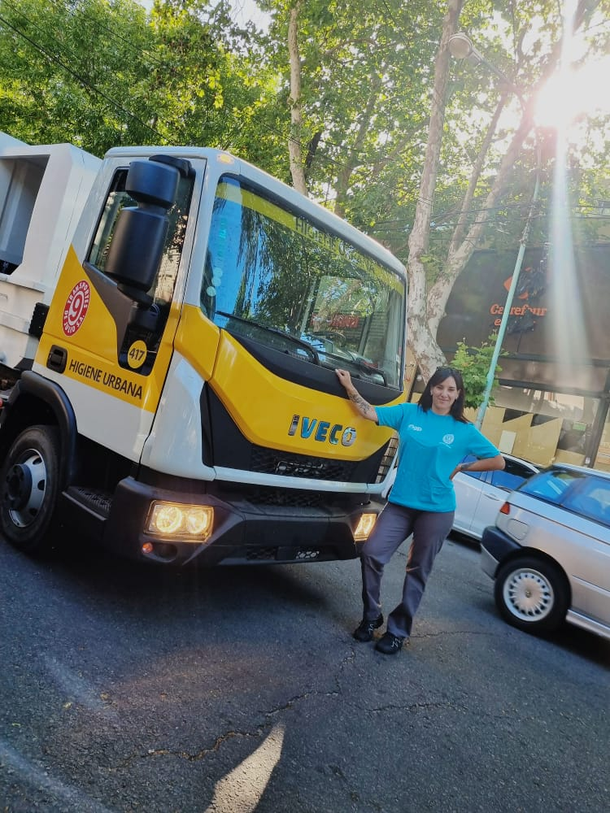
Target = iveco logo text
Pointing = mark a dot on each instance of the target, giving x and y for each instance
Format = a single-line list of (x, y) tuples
[(322, 431)]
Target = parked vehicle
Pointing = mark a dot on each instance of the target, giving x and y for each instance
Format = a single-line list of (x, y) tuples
[(549, 551), (158, 319), (479, 494)]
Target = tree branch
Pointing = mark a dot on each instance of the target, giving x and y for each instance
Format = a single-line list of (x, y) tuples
[(345, 174), (475, 175)]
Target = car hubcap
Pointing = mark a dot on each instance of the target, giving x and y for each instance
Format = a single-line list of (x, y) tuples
[(528, 595), (25, 488)]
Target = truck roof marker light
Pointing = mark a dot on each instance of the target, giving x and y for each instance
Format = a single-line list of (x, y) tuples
[(189, 522), (225, 158), (364, 527)]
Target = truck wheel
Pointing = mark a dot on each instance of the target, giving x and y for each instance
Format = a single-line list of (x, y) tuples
[(532, 594), (28, 489)]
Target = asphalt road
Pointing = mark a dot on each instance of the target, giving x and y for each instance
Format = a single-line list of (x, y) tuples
[(124, 688)]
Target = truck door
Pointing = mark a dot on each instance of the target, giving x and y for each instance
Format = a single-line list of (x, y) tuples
[(110, 345)]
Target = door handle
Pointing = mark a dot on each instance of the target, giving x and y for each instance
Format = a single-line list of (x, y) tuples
[(57, 359)]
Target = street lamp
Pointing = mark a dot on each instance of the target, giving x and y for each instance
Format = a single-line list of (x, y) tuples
[(461, 47)]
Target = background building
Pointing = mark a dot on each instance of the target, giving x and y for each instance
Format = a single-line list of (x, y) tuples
[(555, 380)]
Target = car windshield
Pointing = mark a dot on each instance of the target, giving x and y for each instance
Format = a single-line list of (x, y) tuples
[(278, 279), (584, 494), (551, 485)]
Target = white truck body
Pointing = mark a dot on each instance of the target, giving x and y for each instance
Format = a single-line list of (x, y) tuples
[(42, 194)]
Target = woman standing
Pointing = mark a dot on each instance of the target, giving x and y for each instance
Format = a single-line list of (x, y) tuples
[(434, 436)]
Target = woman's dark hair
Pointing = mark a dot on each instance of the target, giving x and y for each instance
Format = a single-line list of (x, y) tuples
[(441, 374)]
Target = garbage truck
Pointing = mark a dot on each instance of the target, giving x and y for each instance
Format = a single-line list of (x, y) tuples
[(171, 319)]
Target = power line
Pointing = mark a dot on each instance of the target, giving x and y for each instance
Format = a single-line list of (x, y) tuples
[(86, 83), (298, 142), (325, 158), (100, 25), (161, 64)]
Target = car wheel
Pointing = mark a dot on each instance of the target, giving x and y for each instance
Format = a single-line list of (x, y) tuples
[(532, 594), (28, 489)]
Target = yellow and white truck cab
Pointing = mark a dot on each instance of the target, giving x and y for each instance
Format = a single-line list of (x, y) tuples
[(170, 324)]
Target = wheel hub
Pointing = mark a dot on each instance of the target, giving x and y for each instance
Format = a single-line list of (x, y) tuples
[(25, 488), (18, 486), (529, 595)]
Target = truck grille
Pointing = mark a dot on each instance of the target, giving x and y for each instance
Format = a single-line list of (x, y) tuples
[(287, 497), (268, 461)]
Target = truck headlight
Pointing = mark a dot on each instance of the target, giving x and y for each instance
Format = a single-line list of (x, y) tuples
[(364, 527), (177, 519)]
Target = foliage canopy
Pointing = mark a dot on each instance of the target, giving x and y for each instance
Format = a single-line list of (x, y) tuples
[(430, 156)]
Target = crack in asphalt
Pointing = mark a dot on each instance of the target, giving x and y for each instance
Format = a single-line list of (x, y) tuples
[(256, 733), (417, 707), (220, 740), (199, 755), (423, 636)]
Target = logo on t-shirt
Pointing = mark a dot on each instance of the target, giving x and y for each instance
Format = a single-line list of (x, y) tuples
[(448, 439), (414, 428)]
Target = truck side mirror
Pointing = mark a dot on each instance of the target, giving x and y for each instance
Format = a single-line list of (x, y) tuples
[(137, 245)]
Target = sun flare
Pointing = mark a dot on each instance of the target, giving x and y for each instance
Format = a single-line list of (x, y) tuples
[(572, 94)]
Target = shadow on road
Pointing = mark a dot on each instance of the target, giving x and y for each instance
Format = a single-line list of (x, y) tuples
[(89, 576)]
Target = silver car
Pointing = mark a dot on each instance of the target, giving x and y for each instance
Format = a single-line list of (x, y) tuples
[(549, 551)]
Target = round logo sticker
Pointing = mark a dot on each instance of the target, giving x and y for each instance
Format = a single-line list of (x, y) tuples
[(136, 355), (76, 307)]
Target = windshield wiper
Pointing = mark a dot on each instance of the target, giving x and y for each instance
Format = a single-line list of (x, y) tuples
[(277, 332), (370, 371), (359, 365)]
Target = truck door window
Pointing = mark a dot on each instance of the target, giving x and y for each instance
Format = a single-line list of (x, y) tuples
[(280, 279), (163, 287)]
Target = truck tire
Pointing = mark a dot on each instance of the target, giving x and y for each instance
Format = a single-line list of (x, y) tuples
[(532, 594), (29, 484)]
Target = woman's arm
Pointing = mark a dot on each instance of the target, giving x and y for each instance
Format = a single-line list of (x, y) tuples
[(364, 408), (486, 464)]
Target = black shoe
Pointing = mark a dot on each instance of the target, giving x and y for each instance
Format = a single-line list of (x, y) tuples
[(364, 631), (389, 644)]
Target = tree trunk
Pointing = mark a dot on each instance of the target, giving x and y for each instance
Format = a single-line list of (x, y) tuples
[(459, 255), (422, 340), (295, 152)]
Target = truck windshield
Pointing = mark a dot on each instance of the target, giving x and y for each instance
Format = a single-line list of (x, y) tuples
[(279, 279)]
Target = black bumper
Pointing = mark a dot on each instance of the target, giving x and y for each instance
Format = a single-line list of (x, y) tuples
[(242, 533), (495, 547)]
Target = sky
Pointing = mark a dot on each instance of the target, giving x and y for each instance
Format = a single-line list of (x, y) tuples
[(243, 10)]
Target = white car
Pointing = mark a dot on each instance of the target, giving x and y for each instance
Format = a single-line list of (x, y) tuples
[(480, 494)]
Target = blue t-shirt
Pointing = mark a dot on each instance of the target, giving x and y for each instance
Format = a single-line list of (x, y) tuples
[(430, 448)]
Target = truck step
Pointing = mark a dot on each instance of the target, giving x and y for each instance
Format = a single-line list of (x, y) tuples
[(94, 499)]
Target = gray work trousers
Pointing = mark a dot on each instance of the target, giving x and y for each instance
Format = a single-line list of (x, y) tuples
[(394, 525)]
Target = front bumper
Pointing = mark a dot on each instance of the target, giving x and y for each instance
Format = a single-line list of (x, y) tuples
[(242, 532), (495, 547)]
